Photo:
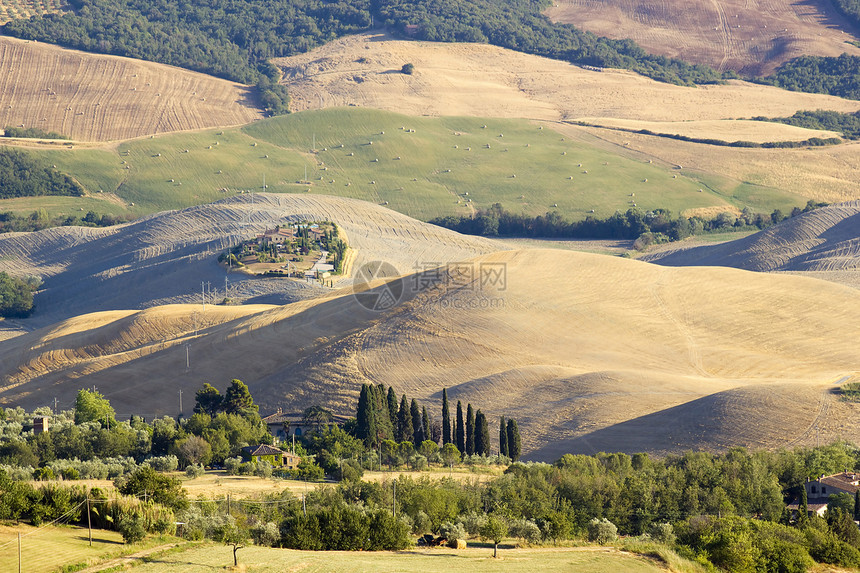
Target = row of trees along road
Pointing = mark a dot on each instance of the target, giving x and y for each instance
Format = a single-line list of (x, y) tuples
[(380, 418)]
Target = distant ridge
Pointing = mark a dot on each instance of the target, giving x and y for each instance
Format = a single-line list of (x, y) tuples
[(823, 240)]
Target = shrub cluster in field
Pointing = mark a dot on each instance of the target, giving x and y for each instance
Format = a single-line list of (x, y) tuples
[(656, 226), (16, 295), (31, 133), (22, 175), (846, 123)]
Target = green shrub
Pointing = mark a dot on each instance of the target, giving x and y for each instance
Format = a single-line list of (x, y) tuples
[(602, 531), (132, 527)]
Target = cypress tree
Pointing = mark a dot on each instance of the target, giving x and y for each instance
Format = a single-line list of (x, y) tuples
[(803, 506), (417, 424), (482, 434), (446, 418), (503, 437), (384, 425), (392, 410), (514, 446), (470, 430), (460, 429), (365, 418), (404, 422), (856, 505), (425, 421)]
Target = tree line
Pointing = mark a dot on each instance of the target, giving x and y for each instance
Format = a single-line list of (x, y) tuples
[(659, 225), (380, 419), (31, 133)]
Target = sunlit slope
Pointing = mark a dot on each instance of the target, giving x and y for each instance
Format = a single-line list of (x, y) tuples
[(165, 258), (826, 239), (588, 352)]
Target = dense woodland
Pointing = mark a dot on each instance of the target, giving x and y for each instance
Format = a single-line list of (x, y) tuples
[(839, 76), (31, 133), (656, 226), (22, 175)]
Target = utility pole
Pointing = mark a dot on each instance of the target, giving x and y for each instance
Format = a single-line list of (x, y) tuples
[(180, 397), (89, 520), (187, 367), (56, 410), (394, 506), (19, 552), (203, 294), (228, 504)]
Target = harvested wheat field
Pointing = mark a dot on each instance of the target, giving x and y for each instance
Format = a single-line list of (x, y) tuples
[(92, 97), (723, 130), (20, 9), (607, 354), (750, 37), (487, 81)]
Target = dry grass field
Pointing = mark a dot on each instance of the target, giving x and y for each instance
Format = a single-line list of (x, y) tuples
[(751, 37), (474, 559), (94, 97), (487, 81), (50, 548), (18, 9)]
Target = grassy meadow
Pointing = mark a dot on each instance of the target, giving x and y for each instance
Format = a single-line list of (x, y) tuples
[(421, 166), (473, 559), (49, 548)]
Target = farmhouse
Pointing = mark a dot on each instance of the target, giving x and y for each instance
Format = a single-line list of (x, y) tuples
[(282, 425), (819, 490), (277, 235), (271, 454)]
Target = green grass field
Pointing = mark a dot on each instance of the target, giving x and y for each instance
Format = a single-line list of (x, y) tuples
[(50, 548), (262, 559), (421, 166)]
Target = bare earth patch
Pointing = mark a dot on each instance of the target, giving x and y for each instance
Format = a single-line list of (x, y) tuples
[(94, 97), (753, 37)]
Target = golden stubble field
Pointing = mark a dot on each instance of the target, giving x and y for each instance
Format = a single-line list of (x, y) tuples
[(753, 37), (588, 352), (92, 97)]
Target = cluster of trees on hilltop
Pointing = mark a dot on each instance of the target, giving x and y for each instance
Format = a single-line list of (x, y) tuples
[(22, 175), (660, 224)]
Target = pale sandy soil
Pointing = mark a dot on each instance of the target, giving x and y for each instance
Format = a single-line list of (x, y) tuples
[(94, 97), (751, 36)]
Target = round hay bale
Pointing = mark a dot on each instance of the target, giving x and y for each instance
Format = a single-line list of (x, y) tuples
[(457, 544)]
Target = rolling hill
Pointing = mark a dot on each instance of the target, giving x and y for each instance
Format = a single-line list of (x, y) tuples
[(93, 97), (826, 240), (589, 352), (750, 37)]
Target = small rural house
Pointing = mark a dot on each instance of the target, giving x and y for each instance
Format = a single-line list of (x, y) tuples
[(283, 425), (818, 491), (266, 453)]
